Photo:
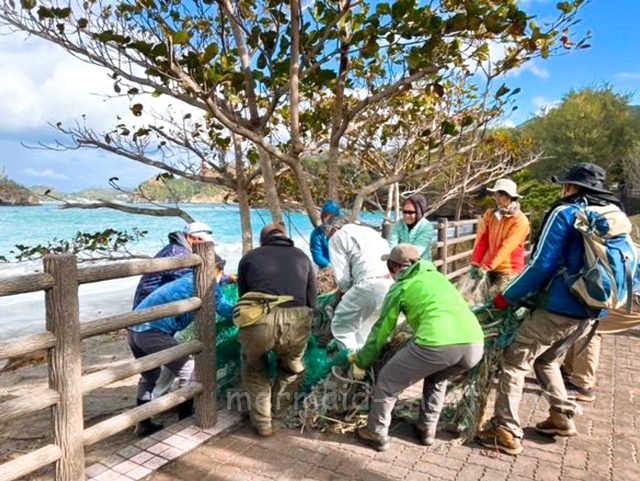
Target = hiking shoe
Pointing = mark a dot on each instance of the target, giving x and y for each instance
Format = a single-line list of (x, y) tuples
[(426, 436), (586, 395), (557, 424), (146, 428), (266, 432), (375, 441), (499, 438)]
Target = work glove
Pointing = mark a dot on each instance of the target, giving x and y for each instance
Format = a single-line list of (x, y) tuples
[(351, 358), (500, 302), (478, 272), (357, 372), (399, 340)]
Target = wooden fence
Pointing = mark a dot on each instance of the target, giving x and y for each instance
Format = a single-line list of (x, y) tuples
[(64, 333)]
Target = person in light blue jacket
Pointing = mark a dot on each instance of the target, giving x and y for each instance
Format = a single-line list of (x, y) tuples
[(414, 228), (319, 243), (155, 336)]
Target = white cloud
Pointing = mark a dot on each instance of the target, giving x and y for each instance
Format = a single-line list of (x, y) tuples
[(543, 105), (628, 75), (45, 173)]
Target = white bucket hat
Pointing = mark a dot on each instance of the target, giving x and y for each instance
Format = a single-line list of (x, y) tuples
[(506, 185)]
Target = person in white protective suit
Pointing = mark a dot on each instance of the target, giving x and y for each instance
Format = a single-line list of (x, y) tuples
[(362, 278)]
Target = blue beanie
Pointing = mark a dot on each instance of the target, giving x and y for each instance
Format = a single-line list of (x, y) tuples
[(330, 207)]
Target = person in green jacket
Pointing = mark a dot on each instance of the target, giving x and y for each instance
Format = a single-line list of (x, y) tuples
[(446, 341), (414, 228)]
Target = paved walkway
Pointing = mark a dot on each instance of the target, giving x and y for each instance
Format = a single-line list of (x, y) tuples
[(606, 449)]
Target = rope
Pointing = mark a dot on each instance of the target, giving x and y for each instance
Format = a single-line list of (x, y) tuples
[(288, 215)]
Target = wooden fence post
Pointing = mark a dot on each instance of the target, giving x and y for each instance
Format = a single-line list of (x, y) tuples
[(65, 364), (205, 331), (443, 228)]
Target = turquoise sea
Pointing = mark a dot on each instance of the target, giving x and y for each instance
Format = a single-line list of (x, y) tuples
[(23, 314), (39, 224)]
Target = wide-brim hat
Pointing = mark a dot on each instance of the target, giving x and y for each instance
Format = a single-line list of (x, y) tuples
[(589, 176), (506, 185)]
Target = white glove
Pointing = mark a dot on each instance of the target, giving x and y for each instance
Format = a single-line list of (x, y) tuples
[(357, 372)]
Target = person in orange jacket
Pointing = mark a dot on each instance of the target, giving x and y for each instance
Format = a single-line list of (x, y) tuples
[(499, 248)]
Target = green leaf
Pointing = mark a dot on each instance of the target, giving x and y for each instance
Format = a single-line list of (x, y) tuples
[(448, 128), (181, 38), (210, 53), (565, 7), (502, 91), (83, 23), (28, 4)]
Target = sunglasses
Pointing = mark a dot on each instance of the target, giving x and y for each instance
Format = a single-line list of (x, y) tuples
[(409, 212)]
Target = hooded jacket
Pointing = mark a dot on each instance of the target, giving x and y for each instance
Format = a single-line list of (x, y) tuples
[(434, 309), (177, 290), (421, 234), (559, 246), (319, 243), (356, 252), (177, 247), (500, 242)]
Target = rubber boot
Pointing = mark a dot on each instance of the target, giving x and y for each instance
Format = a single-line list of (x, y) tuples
[(184, 409), (146, 426)]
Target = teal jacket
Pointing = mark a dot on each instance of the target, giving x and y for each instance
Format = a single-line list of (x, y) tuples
[(420, 236), (434, 309)]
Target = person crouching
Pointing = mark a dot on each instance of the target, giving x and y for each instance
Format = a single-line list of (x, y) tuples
[(447, 340)]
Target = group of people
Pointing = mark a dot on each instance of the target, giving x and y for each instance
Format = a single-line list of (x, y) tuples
[(379, 281)]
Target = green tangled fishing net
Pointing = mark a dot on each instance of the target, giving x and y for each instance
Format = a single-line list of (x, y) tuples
[(334, 401)]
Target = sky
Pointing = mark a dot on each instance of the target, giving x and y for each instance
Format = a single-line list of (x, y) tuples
[(41, 84)]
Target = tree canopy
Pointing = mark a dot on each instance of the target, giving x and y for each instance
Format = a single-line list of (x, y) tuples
[(594, 124), (270, 82)]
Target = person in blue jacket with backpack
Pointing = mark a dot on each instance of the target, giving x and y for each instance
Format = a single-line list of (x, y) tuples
[(319, 243), (560, 317), (155, 336)]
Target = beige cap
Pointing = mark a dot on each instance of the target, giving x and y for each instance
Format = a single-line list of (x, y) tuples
[(403, 254), (506, 185)]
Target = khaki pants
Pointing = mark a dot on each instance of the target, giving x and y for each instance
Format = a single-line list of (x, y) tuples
[(539, 342), (581, 361), (284, 331)]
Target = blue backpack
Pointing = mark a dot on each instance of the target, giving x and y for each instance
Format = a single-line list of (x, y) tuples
[(610, 258)]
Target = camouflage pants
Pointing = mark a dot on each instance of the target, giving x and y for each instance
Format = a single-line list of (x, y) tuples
[(284, 331)]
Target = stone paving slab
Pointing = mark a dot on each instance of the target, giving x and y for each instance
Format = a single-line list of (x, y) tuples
[(606, 449)]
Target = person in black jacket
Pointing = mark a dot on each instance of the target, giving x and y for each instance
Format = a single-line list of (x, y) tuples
[(280, 269)]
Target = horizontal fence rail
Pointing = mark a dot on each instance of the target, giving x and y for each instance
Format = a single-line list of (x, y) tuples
[(64, 333), (137, 267)]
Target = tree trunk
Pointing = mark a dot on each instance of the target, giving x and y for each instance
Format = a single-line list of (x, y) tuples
[(305, 192), (243, 197), (270, 188)]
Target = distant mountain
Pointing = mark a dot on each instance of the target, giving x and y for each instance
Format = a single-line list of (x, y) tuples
[(12, 193), (84, 195)]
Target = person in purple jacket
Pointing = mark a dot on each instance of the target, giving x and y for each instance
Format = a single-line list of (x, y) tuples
[(180, 244)]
